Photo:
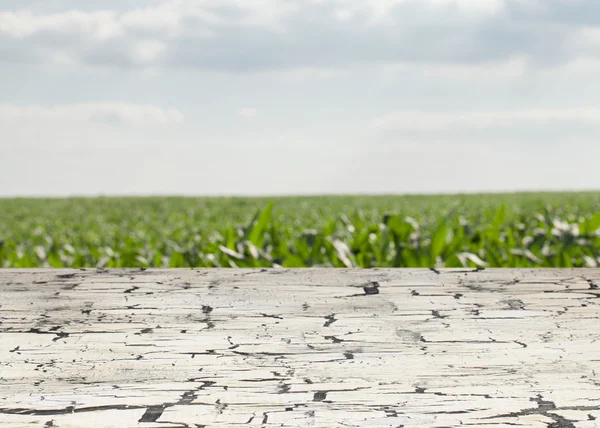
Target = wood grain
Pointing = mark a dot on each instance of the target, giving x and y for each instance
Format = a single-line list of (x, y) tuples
[(300, 348)]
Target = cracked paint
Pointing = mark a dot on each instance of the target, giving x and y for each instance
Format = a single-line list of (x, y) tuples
[(300, 347)]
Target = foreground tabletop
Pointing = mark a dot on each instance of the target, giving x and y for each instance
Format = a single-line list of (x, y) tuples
[(300, 347)]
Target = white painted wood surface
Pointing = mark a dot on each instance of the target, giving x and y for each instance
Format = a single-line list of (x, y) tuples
[(300, 348)]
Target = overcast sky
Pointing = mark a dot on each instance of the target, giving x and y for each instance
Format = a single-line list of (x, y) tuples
[(209, 97)]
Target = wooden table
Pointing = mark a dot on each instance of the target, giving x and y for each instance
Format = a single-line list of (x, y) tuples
[(300, 348)]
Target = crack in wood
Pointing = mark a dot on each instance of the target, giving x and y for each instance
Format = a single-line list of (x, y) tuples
[(330, 319), (547, 408), (455, 346), (67, 410), (153, 413)]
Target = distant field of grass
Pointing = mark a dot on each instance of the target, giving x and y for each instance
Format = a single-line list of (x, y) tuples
[(499, 230)]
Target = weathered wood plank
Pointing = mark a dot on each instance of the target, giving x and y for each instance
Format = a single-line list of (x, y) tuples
[(303, 347)]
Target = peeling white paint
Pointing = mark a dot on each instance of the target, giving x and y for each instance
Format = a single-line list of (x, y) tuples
[(301, 347)]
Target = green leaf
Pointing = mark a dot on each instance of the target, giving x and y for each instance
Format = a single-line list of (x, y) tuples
[(438, 242), (592, 225), (177, 260), (453, 262), (260, 225), (499, 217), (292, 261)]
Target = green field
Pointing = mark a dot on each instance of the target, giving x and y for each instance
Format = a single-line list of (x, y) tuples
[(498, 230)]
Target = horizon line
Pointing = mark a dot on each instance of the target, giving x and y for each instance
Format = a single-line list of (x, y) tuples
[(298, 195)]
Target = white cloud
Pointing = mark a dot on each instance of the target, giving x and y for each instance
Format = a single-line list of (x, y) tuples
[(99, 25), (474, 7), (248, 112), (511, 81), (586, 40), (148, 51), (440, 121), (304, 73), (513, 67), (590, 34), (581, 65), (107, 113), (237, 35)]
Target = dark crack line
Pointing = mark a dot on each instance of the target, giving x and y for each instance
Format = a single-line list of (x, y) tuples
[(179, 424), (187, 398), (254, 272), (462, 341), (67, 410), (368, 290), (371, 288), (479, 269), (547, 408), (592, 284), (453, 412), (153, 413), (330, 320), (272, 316), (220, 407), (277, 379), (322, 395), (333, 339), (65, 276), (283, 388), (436, 314)]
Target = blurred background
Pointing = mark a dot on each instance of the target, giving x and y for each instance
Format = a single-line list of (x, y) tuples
[(298, 133)]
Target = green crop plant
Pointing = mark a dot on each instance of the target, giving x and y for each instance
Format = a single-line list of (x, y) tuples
[(500, 230)]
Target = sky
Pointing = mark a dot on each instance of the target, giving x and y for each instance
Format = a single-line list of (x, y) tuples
[(282, 97)]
